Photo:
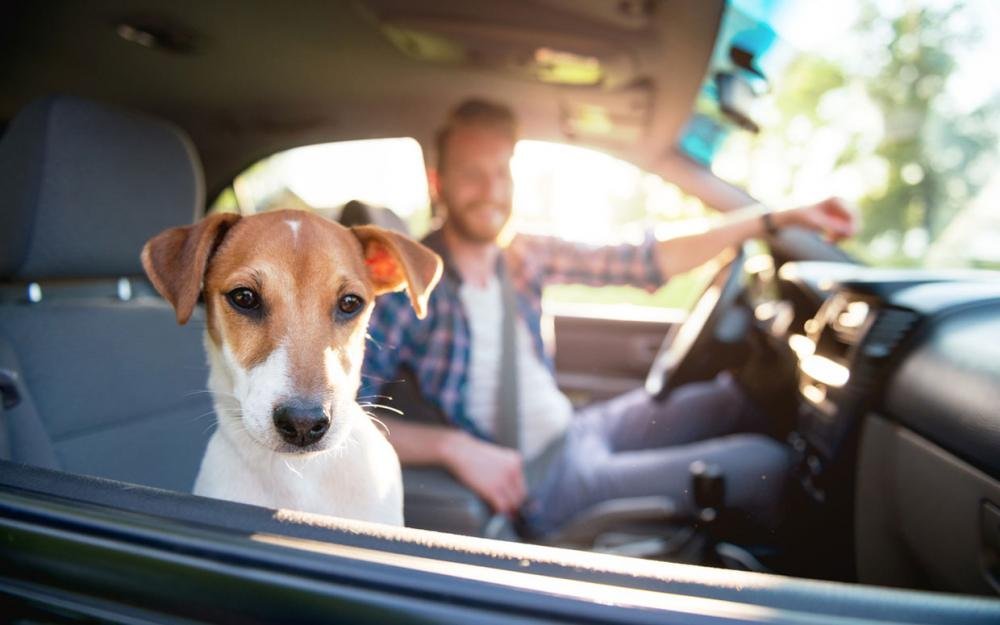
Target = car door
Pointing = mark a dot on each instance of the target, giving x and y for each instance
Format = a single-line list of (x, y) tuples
[(603, 353)]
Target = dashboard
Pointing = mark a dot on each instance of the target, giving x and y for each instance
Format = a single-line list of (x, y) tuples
[(895, 370), (867, 324)]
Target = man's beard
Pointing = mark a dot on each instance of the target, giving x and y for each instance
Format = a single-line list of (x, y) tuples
[(472, 227)]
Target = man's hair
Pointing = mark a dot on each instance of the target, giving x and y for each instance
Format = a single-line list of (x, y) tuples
[(480, 113)]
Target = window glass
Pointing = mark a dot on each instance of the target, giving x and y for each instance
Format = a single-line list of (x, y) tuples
[(322, 178), (575, 193), (894, 105), (588, 196)]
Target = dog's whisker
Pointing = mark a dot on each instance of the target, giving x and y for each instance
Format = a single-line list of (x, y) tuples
[(378, 421), (208, 391), (201, 392), (202, 416), (242, 429), (383, 406), (292, 469)]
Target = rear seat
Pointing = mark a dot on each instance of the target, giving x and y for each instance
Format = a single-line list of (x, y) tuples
[(110, 385)]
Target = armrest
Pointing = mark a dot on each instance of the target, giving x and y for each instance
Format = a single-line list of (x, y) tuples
[(434, 500), (613, 515)]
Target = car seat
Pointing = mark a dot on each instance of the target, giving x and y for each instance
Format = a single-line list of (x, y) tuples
[(107, 383)]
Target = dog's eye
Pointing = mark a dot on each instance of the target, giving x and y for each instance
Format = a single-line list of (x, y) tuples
[(244, 299), (350, 304)]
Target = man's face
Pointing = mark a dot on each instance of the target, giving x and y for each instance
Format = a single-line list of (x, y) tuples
[(475, 183)]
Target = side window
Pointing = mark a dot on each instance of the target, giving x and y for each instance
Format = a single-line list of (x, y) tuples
[(588, 196), (572, 192), (322, 178)]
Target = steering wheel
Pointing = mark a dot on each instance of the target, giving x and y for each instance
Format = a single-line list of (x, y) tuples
[(717, 320)]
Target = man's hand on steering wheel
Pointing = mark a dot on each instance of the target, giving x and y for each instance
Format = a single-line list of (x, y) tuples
[(832, 217), (684, 354)]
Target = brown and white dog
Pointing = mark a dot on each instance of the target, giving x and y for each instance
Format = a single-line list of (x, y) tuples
[(288, 295)]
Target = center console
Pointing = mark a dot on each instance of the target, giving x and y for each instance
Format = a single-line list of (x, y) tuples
[(841, 354)]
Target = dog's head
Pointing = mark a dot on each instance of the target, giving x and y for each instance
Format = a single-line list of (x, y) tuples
[(288, 295)]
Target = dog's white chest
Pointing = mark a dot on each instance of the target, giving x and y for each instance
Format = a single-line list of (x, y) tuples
[(359, 480)]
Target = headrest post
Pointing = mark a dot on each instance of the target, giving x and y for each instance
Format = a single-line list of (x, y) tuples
[(34, 292), (124, 289)]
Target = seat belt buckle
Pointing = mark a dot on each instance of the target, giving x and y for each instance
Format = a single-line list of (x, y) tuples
[(9, 393)]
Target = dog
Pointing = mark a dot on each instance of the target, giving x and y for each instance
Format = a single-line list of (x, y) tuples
[(287, 297)]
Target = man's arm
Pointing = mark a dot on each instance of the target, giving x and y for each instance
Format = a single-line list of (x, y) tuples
[(650, 264), (492, 472), (676, 255)]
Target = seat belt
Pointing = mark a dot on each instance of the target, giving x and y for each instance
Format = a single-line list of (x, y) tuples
[(509, 418), (508, 428)]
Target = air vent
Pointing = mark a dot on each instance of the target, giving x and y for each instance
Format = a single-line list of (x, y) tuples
[(855, 335), (890, 328)]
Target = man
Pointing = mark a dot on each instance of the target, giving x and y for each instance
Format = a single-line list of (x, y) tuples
[(630, 446)]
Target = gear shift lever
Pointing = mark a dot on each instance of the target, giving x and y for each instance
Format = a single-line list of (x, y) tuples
[(708, 485), (709, 488)]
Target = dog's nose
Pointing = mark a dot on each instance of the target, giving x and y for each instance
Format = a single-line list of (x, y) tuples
[(300, 425)]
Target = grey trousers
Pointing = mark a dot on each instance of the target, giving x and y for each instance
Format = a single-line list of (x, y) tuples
[(633, 446)]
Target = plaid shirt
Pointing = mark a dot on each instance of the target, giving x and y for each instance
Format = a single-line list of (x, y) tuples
[(438, 348)]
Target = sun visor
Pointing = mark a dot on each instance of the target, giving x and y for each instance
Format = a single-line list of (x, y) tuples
[(561, 43)]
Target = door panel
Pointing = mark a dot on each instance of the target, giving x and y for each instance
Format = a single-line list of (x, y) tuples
[(924, 517), (599, 356)]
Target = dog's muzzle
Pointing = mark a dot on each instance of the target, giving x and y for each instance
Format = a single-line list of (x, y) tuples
[(300, 425)]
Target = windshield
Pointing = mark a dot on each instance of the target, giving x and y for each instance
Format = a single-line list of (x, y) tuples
[(892, 104)]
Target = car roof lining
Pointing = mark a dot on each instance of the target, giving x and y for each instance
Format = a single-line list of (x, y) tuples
[(262, 78)]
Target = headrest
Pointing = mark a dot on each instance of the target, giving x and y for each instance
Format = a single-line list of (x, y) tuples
[(357, 213), (84, 185)]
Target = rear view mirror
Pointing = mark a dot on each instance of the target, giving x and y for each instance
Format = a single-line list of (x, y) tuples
[(737, 99), (739, 89)]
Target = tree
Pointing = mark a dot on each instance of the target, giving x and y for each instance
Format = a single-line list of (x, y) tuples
[(923, 160), (932, 152)]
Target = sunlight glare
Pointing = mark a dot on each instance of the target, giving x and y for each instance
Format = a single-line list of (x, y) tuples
[(382, 172), (570, 190)]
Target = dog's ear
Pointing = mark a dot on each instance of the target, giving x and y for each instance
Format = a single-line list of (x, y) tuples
[(175, 260), (395, 261)]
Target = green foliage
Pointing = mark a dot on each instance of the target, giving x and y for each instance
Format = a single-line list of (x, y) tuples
[(931, 157), (809, 78)]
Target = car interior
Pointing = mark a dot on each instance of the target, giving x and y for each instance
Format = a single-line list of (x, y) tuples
[(121, 119)]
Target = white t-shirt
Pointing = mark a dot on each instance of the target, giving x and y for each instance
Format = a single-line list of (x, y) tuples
[(545, 411)]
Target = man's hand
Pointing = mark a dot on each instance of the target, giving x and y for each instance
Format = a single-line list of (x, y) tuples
[(494, 473), (832, 217)]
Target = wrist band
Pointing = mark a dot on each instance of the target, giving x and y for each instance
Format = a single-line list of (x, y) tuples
[(769, 226)]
